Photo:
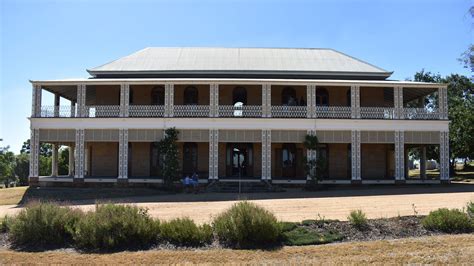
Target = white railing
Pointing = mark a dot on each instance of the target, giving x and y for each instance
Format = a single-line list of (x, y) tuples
[(62, 111), (288, 111), (240, 111), (191, 110), (146, 111), (102, 111), (338, 112), (421, 113), (377, 112)]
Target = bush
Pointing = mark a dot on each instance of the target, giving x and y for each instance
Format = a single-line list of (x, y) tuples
[(358, 219), (288, 226), (470, 210), (302, 236), (184, 232), (448, 221), (5, 224), (43, 225), (113, 227), (247, 225)]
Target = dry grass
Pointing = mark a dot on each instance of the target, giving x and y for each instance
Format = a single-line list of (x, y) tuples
[(448, 249), (10, 196)]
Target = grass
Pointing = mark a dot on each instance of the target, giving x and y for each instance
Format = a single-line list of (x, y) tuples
[(452, 249), (11, 196), (301, 236)]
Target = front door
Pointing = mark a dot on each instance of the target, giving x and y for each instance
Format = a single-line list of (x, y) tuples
[(289, 160), (239, 160)]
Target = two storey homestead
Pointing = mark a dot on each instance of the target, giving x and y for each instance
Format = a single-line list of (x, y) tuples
[(242, 113)]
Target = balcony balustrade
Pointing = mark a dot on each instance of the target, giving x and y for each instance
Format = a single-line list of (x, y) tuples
[(102, 111), (146, 111), (255, 111), (240, 111), (421, 113), (334, 112), (62, 111), (191, 110), (289, 111), (377, 112)]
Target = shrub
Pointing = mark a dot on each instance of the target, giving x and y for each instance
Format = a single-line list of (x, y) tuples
[(247, 225), (288, 226), (302, 236), (448, 221), (184, 232), (470, 210), (43, 225), (5, 224), (113, 227), (358, 219)]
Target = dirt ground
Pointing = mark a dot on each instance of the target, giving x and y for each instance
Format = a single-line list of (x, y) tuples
[(447, 249), (296, 205)]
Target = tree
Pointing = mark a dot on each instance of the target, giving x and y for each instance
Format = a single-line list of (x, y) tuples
[(460, 114), (63, 161), (46, 149), (7, 167), (315, 167), (22, 168), (169, 151)]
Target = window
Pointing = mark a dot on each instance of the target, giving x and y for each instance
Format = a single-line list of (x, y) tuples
[(191, 96), (288, 96), (289, 156), (158, 96), (190, 158), (322, 97), (155, 160)]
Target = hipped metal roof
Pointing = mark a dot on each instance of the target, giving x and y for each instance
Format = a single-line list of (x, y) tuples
[(239, 62)]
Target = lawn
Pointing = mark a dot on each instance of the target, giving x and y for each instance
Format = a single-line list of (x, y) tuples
[(452, 249), (11, 196)]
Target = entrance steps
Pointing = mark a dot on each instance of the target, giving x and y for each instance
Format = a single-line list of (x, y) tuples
[(246, 186)]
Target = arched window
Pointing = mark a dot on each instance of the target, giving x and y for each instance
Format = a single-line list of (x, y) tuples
[(191, 96), (190, 158), (239, 94), (158, 96), (288, 96), (322, 97)]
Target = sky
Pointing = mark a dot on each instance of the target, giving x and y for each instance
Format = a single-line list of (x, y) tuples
[(46, 39)]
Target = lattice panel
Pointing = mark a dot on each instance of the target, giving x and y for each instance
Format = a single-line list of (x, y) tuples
[(213, 153), (444, 155), (311, 104), (57, 135), (355, 155), (123, 153), (101, 135), (34, 153), (145, 135), (243, 111), (288, 136), (289, 111), (191, 110), (334, 136), (146, 110), (341, 112), (377, 137), (422, 137), (377, 112), (421, 113), (194, 135), (399, 155), (102, 111), (240, 136)]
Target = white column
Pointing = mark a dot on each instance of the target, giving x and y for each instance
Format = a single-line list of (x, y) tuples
[(124, 99), (399, 155), (266, 100), (36, 100), (443, 102), (80, 154), (398, 102), (123, 154), (266, 154), (71, 160), (444, 155), (81, 101), (54, 160), (355, 155), (213, 153), (214, 100), (57, 102), (169, 99), (311, 101), (355, 101), (34, 154)]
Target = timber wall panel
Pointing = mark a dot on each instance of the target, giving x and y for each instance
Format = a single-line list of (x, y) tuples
[(422, 137), (240, 136), (334, 136), (57, 135), (100, 135), (194, 135), (145, 135), (288, 136)]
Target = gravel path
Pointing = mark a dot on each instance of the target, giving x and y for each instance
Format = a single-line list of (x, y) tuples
[(296, 205)]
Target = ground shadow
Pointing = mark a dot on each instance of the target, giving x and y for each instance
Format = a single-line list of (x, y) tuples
[(86, 196)]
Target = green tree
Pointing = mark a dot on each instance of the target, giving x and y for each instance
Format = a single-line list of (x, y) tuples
[(22, 168), (63, 161), (169, 151), (7, 167), (460, 114), (315, 167), (46, 149)]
